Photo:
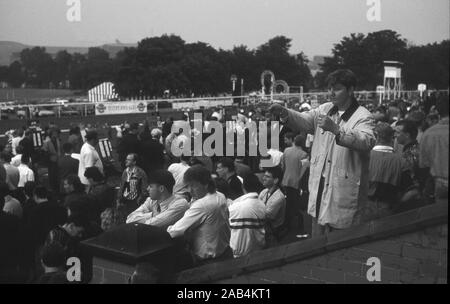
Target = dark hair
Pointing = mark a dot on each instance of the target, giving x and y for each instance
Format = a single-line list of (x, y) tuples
[(5, 156), (342, 76), (227, 163), (74, 130), (381, 109), (200, 174), (384, 132), (90, 135), (275, 171), (74, 180), (40, 192), (252, 184), (53, 255), (163, 178), (289, 135), (94, 173), (29, 188), (4, 190), (222, 186), (79, 214), (300, 140), (25, 159), (409, 127), (19, 149), (135, 156), (67, 147), (185, 158)]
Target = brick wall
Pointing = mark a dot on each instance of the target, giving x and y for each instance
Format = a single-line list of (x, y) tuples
[(411, 248), (418, 257), (110, 272)]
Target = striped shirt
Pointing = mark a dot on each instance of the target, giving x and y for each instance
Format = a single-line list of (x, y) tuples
[(247, 215)]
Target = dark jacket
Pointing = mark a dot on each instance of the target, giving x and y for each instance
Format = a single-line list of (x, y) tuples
[(128, 144), (41, 219), (67, 165), (102, 196), (235, 187), (151, 155)]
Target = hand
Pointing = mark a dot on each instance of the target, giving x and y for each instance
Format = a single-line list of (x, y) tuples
[(327, 124), (278, 111)]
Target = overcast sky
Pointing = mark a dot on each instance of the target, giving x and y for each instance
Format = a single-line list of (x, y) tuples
[(313, 25)]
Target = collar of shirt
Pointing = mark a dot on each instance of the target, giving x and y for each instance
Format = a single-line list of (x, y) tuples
[(348, 113), (409, 145), (253, 195), (163, 205), (381, 148)]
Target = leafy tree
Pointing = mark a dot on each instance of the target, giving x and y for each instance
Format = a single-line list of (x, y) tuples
[(39, 67), (15, 76), (364, 55)]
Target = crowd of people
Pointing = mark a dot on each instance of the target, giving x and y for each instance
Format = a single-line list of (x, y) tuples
[(336, 166)]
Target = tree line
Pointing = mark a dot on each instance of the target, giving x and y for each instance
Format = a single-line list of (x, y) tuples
[(169, 63)]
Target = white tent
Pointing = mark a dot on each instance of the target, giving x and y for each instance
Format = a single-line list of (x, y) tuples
[(102, 92)]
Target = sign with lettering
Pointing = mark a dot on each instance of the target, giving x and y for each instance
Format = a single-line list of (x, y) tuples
[(120, 107)]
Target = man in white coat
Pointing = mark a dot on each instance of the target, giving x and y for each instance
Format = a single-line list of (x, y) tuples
[(89, 156), (343, 139)]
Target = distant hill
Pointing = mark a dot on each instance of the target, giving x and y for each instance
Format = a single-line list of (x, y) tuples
[(10, 50)]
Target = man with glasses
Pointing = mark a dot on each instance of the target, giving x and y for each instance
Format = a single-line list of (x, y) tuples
[(343, 139)]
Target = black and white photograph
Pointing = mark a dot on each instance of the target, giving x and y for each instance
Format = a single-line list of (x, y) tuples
[(224, 148)]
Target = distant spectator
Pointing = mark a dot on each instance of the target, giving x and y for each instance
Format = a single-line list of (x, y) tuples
[(26, 174), (27, 144), (12, 172), (89, 156), (75, 139), (133, 184), (101, 193), (178, 170), (52, 145), (16, 160), (294, 163), (11, 205), (128, 144), (17, 137), (67, 165), (226, 170)]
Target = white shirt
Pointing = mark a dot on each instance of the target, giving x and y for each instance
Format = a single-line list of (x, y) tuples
[(275, 206), (177, 170), (275, 157), (247, 216), (88, 158), (26, 175), (207, 221), (16, 160), (12, 206), (160, 214), (14, 143)]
